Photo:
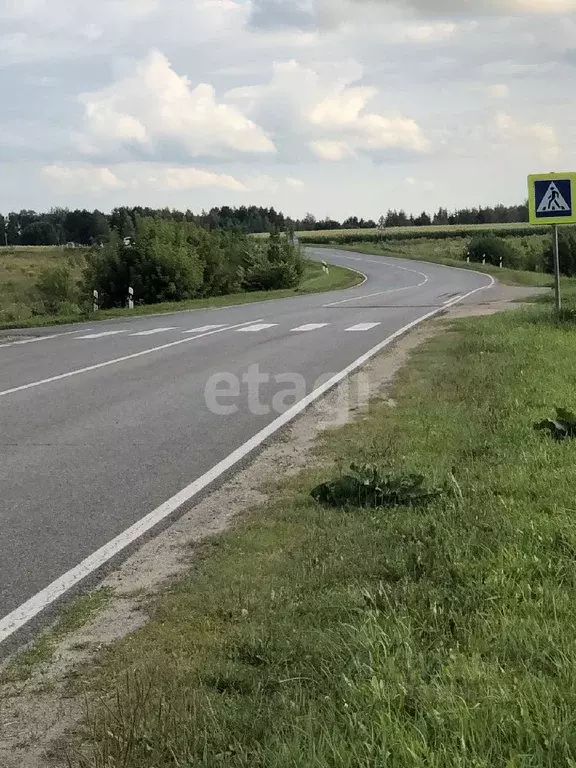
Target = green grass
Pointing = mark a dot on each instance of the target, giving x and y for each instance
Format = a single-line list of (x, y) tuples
[(413, 638), (73, 617), (315, 281), (20, 268)]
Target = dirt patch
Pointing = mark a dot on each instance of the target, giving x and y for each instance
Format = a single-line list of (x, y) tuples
[(38, 713)]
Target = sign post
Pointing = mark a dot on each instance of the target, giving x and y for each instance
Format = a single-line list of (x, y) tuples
[(552, 200)]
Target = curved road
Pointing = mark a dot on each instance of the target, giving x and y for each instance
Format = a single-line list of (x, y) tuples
[(104, 428)]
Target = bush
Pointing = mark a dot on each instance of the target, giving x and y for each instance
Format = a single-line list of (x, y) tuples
[(567, 251), (175, 261), (494, 249), (56, 288), (281, 265)]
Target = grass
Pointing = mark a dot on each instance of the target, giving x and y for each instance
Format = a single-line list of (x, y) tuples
[(435, 637), (73, 617), (20, 268), (21, 292)]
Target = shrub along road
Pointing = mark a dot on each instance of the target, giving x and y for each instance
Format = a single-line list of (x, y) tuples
[(101, 427)]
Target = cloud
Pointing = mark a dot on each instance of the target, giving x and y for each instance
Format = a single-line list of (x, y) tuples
[(153, 109), (323, 109), (494, 7), (498, 91), (332, 150), (325, 14), (512, 131), (194, 178), (75, 177), (295, 183)]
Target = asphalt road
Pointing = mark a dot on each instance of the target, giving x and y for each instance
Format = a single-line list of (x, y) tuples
[(103, 424)]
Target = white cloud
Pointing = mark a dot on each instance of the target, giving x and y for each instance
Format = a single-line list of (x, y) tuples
[(92, 178), (295, 183), (429, 33), (153, 107), (495, 7), (194, 178), (324, 108), (512, 131), (499, 91)]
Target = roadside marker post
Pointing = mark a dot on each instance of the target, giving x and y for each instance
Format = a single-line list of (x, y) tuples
[(96, 305), (130, 298), (552, 200)]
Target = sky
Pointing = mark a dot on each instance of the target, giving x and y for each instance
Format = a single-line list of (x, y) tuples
[(334, 107)]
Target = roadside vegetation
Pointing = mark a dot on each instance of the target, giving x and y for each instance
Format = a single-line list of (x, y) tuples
[(416, 632), (24, 304), (164, 261)]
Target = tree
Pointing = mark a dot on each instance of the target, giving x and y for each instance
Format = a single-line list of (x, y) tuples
[(39, 233)]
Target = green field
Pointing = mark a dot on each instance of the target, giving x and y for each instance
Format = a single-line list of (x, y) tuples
[(412, 637), (21, 305), (336, 233)]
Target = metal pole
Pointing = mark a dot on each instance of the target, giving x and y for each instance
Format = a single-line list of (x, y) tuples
[(556, 248)]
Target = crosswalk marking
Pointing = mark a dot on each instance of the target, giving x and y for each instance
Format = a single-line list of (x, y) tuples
[(256, 328), (100, 335), (362, 327), (154, 331), (309, 327), (205, 328)]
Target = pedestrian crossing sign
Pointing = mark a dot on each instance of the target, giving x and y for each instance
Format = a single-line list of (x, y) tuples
[(552, 198)]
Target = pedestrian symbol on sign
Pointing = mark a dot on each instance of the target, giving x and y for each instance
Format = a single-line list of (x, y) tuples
[(553, 201)]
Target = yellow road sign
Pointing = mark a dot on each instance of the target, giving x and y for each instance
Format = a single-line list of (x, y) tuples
[(552, 198)]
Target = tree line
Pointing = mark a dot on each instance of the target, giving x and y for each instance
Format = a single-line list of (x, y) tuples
[(60, 225)]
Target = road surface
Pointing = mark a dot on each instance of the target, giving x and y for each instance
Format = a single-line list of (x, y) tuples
[(104, 425)]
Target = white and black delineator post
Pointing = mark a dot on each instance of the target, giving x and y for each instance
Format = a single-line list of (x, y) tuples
[(96, 302), (325, 268), (130, 298), (556, 251)]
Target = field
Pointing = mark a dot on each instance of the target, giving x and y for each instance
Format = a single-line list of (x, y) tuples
[(20, 268), (435, 636), (21, 305), (337, 233)]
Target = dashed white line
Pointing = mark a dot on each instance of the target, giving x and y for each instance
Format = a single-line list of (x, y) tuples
[(46, 597), (309, 327), (101, 335), (256, 328), (362, 327), (96, 367), (154, 331), (40, 338), (204, 328)]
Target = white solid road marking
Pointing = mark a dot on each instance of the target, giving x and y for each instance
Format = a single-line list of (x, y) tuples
[(41, 338), (309, 327), (99, 335), (154, 331), (96, 367), (362, 327), (257, 327), (35, 605), (449, 300), (204, 329)]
